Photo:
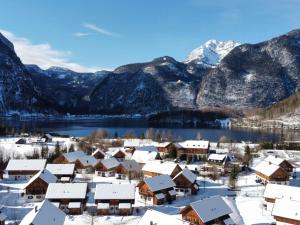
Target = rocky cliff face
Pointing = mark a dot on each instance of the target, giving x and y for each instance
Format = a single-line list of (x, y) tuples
[(17, 91), (254, 75), (230, 76)]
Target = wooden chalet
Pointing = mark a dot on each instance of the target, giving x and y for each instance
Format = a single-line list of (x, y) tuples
[(114, 199), (107, 167), (36, 187), (208, 211), (219, 159), (286, 211), (63, 172), (158, 218), (186, 182), (98, 154), (267, 172), (119, 154), (159, 167), (195, 148), (158, 189), (70, 197), (144, 154), (83, 163), (283, 163), (163, 147), (277, 191), (23, 168), (128, 169), (46, 213)]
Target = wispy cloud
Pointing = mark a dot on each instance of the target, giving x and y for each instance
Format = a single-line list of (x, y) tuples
[(99, 30), (43, 54), (81, 34)]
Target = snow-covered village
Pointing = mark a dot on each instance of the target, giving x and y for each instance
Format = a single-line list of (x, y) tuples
[(59, 180)]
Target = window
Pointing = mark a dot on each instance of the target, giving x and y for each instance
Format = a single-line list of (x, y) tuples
[(30, 197), (38, 197)]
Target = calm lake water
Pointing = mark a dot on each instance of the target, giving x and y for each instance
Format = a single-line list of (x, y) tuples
[(121, 126)]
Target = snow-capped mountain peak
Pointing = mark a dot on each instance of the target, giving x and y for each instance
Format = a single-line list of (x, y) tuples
[(211, 52)]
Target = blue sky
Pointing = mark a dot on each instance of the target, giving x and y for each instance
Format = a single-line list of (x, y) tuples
[(97, 34)]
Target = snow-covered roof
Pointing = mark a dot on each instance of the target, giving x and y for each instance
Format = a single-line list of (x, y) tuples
[(276, 191), (137, 142), (110, 162), (274, 160), (149, 148), (45, 214), (26, 164), (187, 174), (160, 167), (159, 218), (103, 206), (61, 169), (114, 191), (131, 165), (161, 144), (229, 221), (266, 168), (117, 151), (159, 182), (45, 175), (2, 217), (66, 191), (211, 208), (141, 156), (217, 157), (201, 144), (86, 160), (287, 209)]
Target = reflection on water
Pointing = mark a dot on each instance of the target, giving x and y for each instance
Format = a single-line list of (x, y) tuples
[(121, 126)]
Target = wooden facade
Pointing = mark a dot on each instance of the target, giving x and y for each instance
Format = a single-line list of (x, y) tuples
[(192, 151), (286, 166), (120, 155), (189, 214), (183, 183), (78, 165), (280, 175), (37, 187), (147, 194), (286, 220), (99, 155)]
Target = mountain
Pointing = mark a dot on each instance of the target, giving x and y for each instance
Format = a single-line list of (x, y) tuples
[(160, 85), (211, 53), (17, 91), (217, 75), (254, 75), (65, 90)]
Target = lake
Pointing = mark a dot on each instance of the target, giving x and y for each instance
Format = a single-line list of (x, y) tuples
[(121, 126)]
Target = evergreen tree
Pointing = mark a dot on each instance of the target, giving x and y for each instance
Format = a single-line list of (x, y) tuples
[(71, 148), (172, 151)]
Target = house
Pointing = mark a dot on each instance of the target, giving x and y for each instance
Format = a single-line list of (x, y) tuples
[(83, 163), (158, 218), (2, 218), (98, 154), (208, 211), (36, 187), (129, 169), (23, 168), (220, 159), (70, 197), (136, 142), (107, 167), (186, 182), (114, 199), (119, 154), (158, 189), (286, 211), (163, 147), (158, 167), (44, 214), (62, 171), (276, 191), (195, 148), (144, 154), (283, 163), (267, 172)]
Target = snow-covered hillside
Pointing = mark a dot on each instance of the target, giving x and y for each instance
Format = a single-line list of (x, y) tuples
[(211, 52)]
